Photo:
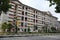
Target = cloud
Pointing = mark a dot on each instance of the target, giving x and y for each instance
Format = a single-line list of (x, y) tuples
[(25, 1)]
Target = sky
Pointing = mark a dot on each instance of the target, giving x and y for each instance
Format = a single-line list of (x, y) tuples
[(42, 5)]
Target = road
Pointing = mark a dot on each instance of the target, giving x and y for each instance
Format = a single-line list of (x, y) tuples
[(34, 38)]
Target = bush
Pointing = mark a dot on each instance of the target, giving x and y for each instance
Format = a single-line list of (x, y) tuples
[(53, 30), (28, 29), (4, 26)]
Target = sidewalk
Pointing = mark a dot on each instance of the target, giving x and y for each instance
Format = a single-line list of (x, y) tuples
[(25, 35)]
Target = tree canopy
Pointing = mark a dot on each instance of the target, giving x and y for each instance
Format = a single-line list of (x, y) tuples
[(4, 5), (57, 3), (6, 26)]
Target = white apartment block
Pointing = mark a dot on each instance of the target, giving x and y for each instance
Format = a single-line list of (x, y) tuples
[(58, 25), (28, 17)]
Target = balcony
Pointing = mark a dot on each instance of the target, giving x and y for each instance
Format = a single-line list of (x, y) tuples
[(10, 19), (18, 14), (18, 18), (20, 7), (11, 13), (12, 3), (30, 10), (11, 10)]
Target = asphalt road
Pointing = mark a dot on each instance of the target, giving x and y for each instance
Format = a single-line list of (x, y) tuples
[(34, 38)]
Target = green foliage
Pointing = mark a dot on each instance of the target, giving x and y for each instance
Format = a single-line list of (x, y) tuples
[(9, 26), (4, 26), (24, 30), (44, 28), (28, 29), (35, 27), (57, 2), (4, 5), (53, 29), (18, 29)]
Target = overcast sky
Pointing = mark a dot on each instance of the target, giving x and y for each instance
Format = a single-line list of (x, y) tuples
[(42, 5)]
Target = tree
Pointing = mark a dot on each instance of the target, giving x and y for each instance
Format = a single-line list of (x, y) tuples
[(4, 5), (57, 3), (24, 30), (45, 28), (35, 27), (4, 26), (9, 27), (28, 29), (53, 29)]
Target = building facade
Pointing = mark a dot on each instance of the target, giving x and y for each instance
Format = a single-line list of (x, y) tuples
[(28, 17), (58, 25)]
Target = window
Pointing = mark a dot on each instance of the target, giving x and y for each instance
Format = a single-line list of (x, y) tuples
[(22, 12), (14, 20), (34, 20), (26, 19), (42, 22), (22, 24), (34, 11), (34, 16), (26, 8), (44, 18), (25, 24), (23, 7), (25, 13), (22, 18)]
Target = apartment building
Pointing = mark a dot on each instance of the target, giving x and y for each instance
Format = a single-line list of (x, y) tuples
[(58, 25), (28, 17), (0, 20)]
